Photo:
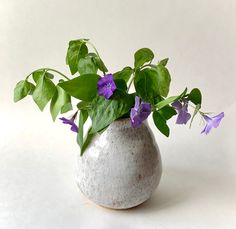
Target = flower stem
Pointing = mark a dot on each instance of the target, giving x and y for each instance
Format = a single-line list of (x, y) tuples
[(194, 107), (46, 70)]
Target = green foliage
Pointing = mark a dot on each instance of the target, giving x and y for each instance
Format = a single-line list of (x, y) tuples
[(87, 141), (142, 56), (171, 99), (39, 73), (101, 66), (83, 87), (124, 74), (22, 89), (163, 62), (60, 102), (146, 84), (103, 112), (67, 107), (80, 136), (44, 91), (82, 105), (87, 65), (167, 112), (121, 85), (151, 82), (160, 123), (77, 49), (163, 78), (195, 96)]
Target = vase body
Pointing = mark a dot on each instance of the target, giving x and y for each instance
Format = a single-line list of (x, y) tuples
[(121, 167)]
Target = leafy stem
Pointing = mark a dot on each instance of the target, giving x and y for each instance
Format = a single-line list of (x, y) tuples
[(148, 65), (131, 81), (96, 51), (46, 70), (134, 70)]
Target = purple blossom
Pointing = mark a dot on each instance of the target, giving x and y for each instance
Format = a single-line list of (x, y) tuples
[(212, 122), (106, 86), (139, 112), (182, 109), (71, 122)]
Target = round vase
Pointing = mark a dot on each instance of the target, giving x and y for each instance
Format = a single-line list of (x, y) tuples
[(120, 168)]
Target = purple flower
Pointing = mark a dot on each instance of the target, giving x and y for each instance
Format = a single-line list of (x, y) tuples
[(139, 112), (106, 86), (212, 122), (71, 122), (182, 109)]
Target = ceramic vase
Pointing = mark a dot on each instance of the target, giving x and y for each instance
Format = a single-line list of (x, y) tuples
[(121, 168)]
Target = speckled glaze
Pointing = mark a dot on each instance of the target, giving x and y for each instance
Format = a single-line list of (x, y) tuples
[(121, 168)]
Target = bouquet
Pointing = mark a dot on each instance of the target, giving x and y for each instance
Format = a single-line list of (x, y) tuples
[(105, 97)]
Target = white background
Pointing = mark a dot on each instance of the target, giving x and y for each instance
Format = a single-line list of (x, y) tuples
[(38, 157)]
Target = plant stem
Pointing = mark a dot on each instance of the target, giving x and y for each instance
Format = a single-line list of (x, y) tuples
[(96, 51), (148, 65), (194, 107), (132, 79), (130, 83), (46, 70)]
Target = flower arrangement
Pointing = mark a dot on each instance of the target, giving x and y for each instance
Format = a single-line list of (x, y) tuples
[(104, 97)]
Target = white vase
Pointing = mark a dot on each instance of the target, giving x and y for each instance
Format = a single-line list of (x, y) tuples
[(121, 167)]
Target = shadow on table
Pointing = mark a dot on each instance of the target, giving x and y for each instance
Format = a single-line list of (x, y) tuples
[(176, 187)]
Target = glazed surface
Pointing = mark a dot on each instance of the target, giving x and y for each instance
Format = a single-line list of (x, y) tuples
[(121, 168)]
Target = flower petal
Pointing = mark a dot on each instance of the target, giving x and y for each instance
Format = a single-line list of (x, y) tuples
[(137, 102), (183, 117), (217, 119), (106, 86), (139, 112), (207, 129), (71, 122), (177, 105), (212, 122)]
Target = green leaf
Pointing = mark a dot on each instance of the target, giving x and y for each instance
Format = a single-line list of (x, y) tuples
[(171, 99), (160, 123), (197, 108), (87, 141), (103, 112), (67, 106), (77, 49), (83, 87), (142, 56), (43, 92), (167, 112), (40, 73), (195, 96), (120, 85), (82, 105), (82, 119), (87, 65), (59, 99), (22, 89), (163, 62), (101, 66), (164, 79), (101, 131), (146, 84), (124, 74)]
